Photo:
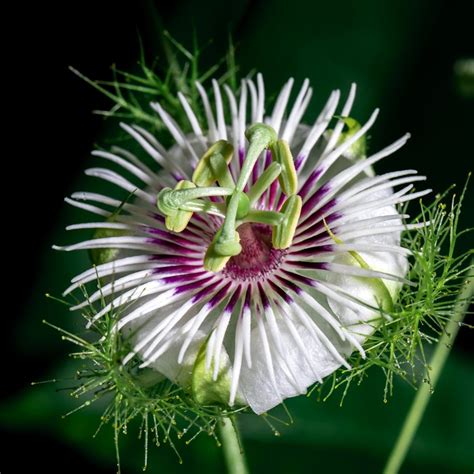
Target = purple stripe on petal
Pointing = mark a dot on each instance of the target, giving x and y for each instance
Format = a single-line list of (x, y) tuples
[(241, 156), (316, 216), (182, 277), (272, 194), (177, 176), (281, 199), (314, 241), (285, 296), (255, 171), (311, 265), (315, 228), (158, 217), (310, 251), (206, 291), (189, 229), (192, 286), (174, 259), (268, 159), (186, 269), (204, 219), (247, 297), (299, 161), (300, 278), (310, 181), (173, 236), (170, 245), (194, 231), (263, 297), (206, 233), (289, 284), (233, 300), (219, 296), (315, 198)]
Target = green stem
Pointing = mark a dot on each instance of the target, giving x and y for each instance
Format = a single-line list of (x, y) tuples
[(196, 205), (264, 182), (184, 195), (233, 451), (418, 407), (264, 217), (260, 137)]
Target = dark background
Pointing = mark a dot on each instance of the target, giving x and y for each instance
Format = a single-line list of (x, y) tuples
[(401, 54)]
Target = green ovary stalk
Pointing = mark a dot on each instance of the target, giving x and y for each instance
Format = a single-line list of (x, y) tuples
[(212, 177)]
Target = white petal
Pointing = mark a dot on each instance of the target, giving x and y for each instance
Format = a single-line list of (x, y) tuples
[(256, 384)]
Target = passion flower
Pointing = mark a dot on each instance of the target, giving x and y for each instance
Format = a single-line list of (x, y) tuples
[(257, 254)]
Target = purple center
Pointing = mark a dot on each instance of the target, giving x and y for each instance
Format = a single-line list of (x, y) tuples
[(257, 258)]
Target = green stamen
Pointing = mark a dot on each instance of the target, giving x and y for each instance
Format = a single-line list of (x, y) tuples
[(178, 221), (209, 207), (264, 182), (204, 174), (282, 235), (212, 177), (243, 205), (288, 178), (221, 171), (261, 137), (169, 201)]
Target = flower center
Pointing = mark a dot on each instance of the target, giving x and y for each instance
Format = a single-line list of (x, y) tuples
[(258, 257), (237, 201)]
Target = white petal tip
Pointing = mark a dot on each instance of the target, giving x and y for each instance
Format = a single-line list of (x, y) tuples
[(128, 358)]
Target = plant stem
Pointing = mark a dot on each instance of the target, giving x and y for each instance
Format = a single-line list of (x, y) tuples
[(233, 450), (420, 402)]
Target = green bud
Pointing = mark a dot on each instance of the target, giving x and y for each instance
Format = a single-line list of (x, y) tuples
[(204, 388), (288, 178), (204, 174), (358, 150), (282, 234), (100, 256), (380, 288)]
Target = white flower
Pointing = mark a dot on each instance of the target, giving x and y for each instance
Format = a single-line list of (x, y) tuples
[(283, 308)]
